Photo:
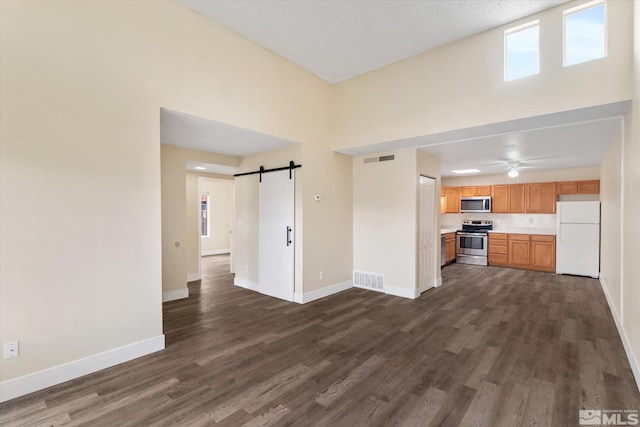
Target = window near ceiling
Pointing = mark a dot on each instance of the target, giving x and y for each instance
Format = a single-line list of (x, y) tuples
[(522, 51), (204, 214), (585, 35)]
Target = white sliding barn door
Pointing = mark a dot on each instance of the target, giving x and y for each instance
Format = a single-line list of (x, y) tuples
[(426, 233), (276, 220)]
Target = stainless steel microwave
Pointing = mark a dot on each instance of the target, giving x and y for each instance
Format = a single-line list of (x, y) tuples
[(475, 204)]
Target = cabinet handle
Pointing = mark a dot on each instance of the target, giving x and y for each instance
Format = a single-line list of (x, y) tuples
[(288, 236)]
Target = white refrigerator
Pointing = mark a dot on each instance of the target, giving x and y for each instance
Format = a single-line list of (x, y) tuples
[(578, 238)]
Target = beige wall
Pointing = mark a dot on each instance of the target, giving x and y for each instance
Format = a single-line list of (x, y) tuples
[(384, 218), (328, 224), (82, 86), (461, 84), (611, 220), (620, 192), (219, 225), (193, 221), (631, 207), (547, 175)]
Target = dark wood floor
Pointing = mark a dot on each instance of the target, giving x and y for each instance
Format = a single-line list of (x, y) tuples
[(491, 347)]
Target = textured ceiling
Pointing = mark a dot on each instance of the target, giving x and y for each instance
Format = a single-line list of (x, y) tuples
[(337, 39), (185, 130)]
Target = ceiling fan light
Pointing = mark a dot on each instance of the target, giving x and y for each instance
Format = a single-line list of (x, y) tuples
[(513, 173)]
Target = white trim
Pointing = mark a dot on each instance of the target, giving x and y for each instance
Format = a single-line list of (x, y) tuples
[(322, 292), (215, 252), (246, 284), (30, 383), (401, 292), (633, 361), (175, 294), (436, 283), (192, 277), (622, 233)]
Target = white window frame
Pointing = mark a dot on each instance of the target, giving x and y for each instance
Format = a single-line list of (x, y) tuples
[(208, 214), (515, 30), (580, 8)]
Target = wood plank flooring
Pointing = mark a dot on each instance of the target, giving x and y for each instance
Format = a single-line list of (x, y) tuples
[(491, 347)]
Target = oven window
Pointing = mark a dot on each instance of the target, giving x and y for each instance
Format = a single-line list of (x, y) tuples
[(471, 242)]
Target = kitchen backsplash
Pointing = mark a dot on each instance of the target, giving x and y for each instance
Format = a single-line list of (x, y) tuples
[(501, 220)]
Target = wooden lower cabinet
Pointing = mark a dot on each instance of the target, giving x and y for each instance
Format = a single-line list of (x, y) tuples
[(543, 252), (523, 251), (450, 247), (498, 249), (518, 252)]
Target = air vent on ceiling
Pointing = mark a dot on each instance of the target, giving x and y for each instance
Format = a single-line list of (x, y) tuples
[(373, 281), (380, 158)]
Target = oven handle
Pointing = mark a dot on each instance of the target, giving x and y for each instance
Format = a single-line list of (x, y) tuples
[(472, 234)]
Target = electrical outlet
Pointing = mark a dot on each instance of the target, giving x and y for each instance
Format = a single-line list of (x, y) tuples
[(246, 268), (321, 275), (11, 350)]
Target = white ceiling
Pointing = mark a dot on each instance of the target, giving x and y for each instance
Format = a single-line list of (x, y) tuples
[(197, 133), (337, 39), (568, 146), (210, 168)]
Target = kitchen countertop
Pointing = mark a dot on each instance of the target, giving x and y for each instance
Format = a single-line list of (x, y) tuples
[(524, 230), (447, 230)]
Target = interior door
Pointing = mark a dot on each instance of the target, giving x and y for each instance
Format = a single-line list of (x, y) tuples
[(275, 231), (426, 233)]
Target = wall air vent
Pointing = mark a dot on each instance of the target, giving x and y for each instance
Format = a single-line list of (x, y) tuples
[(380, 158), (373, 281)]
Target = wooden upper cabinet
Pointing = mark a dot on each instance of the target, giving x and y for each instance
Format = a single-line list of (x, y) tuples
[(467, 191), (452, 200), (568, 187), (541, 197), (516, 199), (589, 187), (482, 190), (500, 198), (578, 187)]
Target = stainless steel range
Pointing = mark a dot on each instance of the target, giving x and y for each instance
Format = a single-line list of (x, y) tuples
[(472, 241)]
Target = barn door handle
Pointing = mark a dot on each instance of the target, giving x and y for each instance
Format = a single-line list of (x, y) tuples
[(288, 236)]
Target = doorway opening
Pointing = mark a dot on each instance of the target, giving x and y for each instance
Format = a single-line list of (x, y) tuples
[(216, 219)]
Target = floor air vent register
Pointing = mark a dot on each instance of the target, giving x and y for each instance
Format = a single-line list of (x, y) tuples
[(363, 279)]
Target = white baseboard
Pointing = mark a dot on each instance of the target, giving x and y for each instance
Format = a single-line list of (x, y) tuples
[(192, 277), (246, 284), (215, 252), (322, 292), (633, 361), (438, 282), (17, 387), (401, 292), (175, 294)]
